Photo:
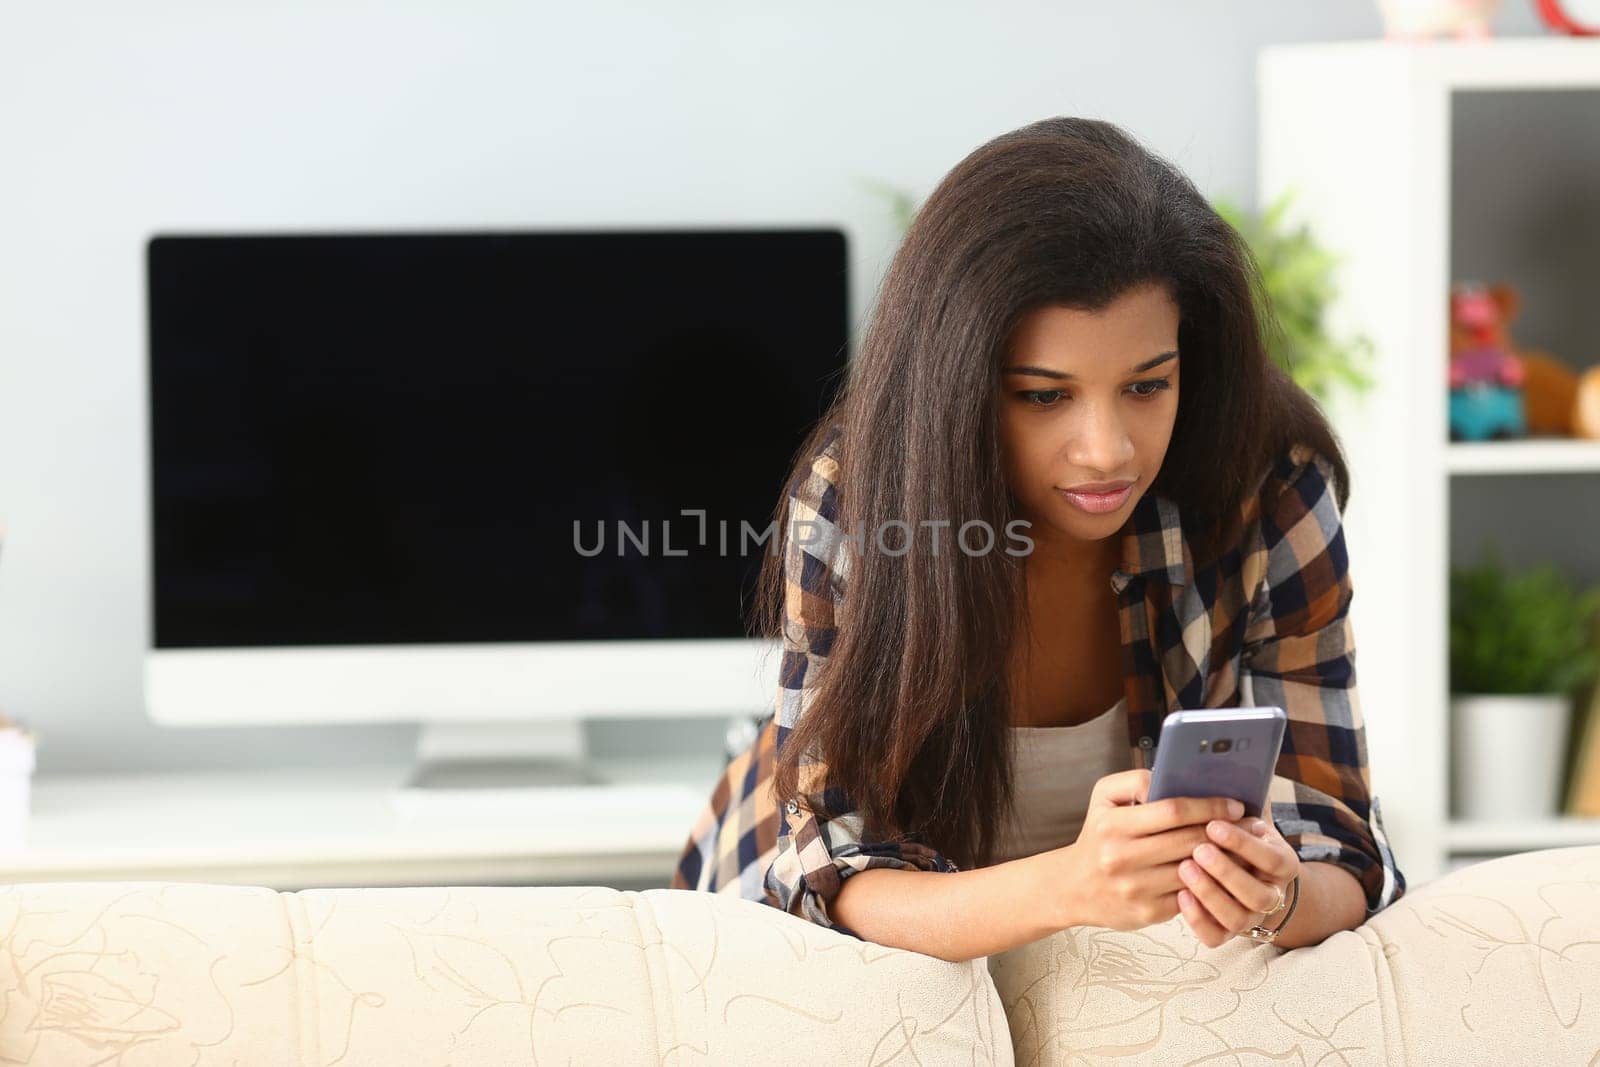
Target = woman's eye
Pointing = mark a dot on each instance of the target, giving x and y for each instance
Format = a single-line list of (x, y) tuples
[(1044, 398), (1157, 384), (1040, 398)]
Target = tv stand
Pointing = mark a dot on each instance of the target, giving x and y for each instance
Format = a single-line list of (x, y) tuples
[(540, 773), (490, 755), (305, 827), (498, 774)]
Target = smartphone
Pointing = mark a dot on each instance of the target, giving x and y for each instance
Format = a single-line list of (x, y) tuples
[(1219, 752)]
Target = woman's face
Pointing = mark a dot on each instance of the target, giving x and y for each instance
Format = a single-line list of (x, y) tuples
[(1088, 397)]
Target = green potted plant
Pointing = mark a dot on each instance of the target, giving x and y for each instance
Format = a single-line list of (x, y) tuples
[(1521, 645), (1297, 279), (1297, 275)]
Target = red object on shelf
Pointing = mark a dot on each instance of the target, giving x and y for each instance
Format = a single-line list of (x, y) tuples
[(1556, 17), (1485, 366)]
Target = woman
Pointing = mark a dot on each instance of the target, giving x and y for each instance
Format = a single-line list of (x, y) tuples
[(941, 771)]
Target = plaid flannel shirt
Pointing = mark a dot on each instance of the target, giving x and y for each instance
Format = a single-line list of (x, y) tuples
[(1267, 624)]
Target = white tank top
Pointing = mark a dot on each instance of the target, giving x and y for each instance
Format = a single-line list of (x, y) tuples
[(1055, 768)]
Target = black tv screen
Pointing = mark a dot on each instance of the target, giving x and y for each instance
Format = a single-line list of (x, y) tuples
[(384, 439)]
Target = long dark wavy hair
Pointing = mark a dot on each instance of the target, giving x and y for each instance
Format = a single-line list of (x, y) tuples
[(910, 712)]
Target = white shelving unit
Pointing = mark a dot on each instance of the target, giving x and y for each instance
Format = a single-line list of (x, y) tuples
[(1523, 457), (1362, 131)]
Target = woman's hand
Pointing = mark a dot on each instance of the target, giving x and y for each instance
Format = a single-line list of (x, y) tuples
[(1122, 871), (1231, 878)]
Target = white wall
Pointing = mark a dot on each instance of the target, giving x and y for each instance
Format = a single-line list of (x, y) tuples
[(118, 119)]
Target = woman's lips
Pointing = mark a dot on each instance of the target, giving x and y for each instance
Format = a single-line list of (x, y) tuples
[(1098, 503)]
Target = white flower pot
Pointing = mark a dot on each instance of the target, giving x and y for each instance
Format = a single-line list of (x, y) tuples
[(1507, 754)]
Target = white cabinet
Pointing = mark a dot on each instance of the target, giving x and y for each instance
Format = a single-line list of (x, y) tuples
[(1365, 132)]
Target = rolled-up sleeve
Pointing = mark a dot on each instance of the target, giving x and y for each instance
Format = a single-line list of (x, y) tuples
[(815, 855), (1299, 655)]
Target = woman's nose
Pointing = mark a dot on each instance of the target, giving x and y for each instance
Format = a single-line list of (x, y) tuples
[(1101, 444)]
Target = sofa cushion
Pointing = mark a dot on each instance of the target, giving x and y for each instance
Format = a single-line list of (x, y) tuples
[(1494, 963), (1497, 962), (150, 973)]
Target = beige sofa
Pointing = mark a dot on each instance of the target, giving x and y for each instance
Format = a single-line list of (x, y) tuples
[(1495, 963)]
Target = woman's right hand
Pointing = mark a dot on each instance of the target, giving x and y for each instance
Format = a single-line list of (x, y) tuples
[(1122, 871)]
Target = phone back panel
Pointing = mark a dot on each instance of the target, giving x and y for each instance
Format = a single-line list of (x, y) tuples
[(1188, 765)]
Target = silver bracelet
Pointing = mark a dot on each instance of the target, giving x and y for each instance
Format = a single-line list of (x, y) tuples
[(1265, 935)]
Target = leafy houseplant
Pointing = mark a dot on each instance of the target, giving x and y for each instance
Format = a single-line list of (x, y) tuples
[(902, 204), (1520, 645), (1297, 274), (1297, 279), (1519, 633)]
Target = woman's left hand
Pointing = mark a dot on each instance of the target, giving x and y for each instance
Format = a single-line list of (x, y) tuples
[(1231, 878)]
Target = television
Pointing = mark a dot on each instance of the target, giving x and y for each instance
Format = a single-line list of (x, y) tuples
[(495, 482)]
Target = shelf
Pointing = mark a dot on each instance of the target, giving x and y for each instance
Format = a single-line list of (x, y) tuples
[(1521, 835), (1532, 456), (1530, 62)]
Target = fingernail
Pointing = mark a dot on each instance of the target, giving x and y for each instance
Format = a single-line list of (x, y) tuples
[(1235, 808), (1259, 827)]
